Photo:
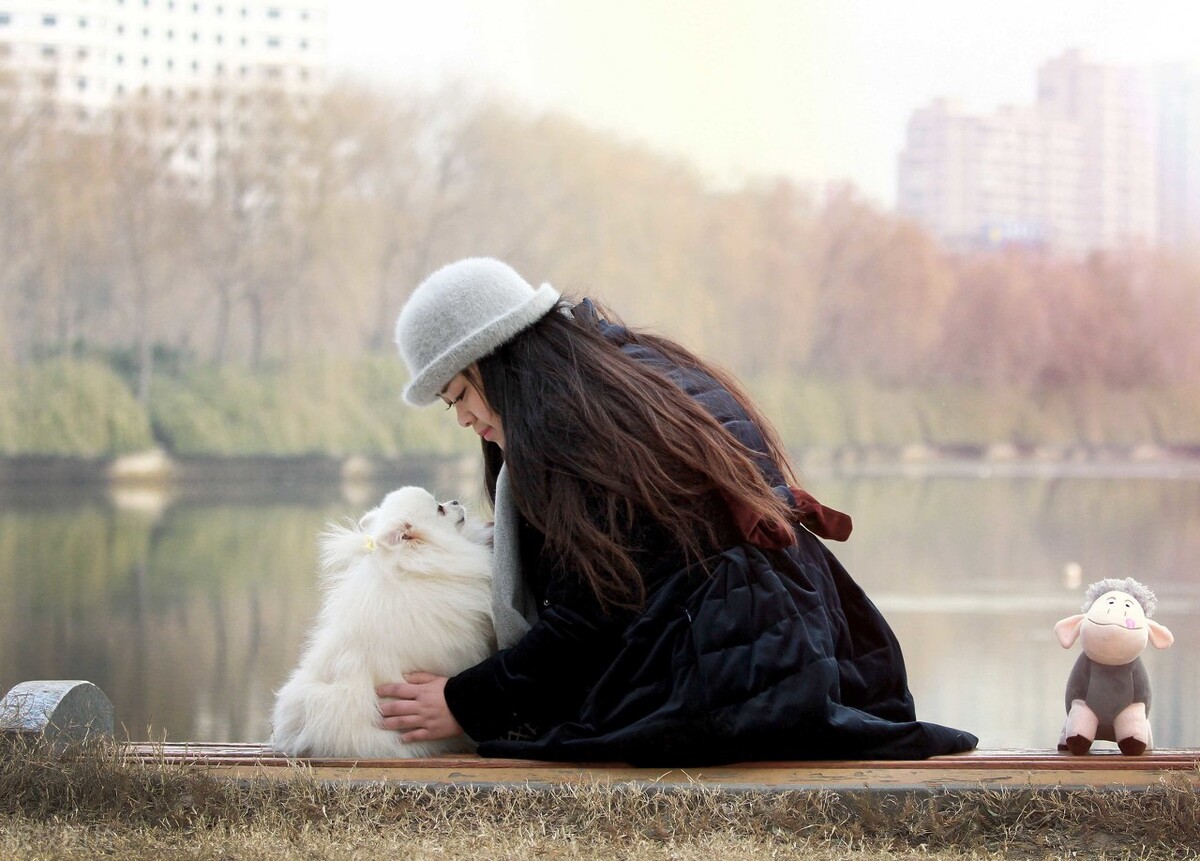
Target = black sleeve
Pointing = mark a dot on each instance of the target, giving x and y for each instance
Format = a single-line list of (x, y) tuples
[(543, 680), (540, 681)]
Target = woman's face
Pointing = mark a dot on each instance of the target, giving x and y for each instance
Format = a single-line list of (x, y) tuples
[(472, 410)]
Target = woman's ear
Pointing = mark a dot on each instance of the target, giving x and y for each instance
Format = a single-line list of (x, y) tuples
[(1160, 637), (1067, 630)]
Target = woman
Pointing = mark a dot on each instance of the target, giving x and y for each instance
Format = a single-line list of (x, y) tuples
[(661, 597)]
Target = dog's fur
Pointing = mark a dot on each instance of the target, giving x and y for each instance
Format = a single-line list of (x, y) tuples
[(408, 589)]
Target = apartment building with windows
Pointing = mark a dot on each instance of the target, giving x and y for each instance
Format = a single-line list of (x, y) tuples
[(972, 180), (206, 66), (1102, 159), (1178, 88)]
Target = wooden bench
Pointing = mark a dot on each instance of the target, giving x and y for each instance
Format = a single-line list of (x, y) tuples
[(76, 709), (1015, 769)]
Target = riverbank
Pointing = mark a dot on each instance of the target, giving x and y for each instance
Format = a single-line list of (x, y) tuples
[(155, 468), (319, 413)]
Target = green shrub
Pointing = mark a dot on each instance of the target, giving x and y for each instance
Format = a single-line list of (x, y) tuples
[(69, 408), (338, 407), (313, 407)]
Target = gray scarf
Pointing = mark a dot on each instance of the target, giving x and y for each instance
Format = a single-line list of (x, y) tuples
[(513, 607)]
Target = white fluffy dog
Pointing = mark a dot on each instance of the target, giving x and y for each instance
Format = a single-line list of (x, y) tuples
[(409, 589)]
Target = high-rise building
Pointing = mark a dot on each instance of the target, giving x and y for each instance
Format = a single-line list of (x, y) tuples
[(989, 180), (202, 64), (1102, 159), (1113, 108), (1179, 155)]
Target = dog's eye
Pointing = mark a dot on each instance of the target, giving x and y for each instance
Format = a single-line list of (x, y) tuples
[(441, 509)]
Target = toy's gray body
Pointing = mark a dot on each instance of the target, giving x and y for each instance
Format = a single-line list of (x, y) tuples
[(1108, 690)]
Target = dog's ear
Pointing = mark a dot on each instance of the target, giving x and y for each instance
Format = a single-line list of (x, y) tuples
[(402, 533)]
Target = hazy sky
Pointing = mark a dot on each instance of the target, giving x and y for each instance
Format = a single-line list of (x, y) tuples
[(814, 89)]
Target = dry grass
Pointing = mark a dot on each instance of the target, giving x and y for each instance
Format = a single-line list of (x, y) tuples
[(92, 801)]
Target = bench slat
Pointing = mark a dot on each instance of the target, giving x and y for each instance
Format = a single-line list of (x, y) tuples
[(1102, 768)]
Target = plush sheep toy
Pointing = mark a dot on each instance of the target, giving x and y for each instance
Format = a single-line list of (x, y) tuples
[(1108, 693)]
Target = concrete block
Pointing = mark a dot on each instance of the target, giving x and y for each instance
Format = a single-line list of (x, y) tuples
[(59, 710)]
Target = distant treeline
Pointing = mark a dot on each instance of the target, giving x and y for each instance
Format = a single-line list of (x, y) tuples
[(337, 408), (247, 304)]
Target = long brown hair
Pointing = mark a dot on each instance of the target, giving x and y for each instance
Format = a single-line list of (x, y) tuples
[(595, 438)]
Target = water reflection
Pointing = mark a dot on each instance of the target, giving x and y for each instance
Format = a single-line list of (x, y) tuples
[(189, 610)]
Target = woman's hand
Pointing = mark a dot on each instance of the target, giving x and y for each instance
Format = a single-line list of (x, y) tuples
[(417, 708)]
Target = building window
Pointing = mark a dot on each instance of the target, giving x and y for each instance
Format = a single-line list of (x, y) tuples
[(49, 20), (5, 19), (83, 23), (49, 52), (273, 12), (273, 42)]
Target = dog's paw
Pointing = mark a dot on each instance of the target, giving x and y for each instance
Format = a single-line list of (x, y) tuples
[(479, 532)]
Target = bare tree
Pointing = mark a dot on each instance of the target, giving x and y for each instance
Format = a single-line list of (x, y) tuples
[(883, 287), (149, 216)]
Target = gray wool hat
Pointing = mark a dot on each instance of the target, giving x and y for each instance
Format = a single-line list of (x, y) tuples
[(458, 315)]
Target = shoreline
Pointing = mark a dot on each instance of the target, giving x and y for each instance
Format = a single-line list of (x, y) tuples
[(157, 468)]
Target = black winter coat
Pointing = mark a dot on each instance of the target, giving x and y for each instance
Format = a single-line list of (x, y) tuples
[(754, 654)]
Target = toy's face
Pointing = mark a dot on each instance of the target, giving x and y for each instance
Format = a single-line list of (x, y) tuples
[(1114, 631)]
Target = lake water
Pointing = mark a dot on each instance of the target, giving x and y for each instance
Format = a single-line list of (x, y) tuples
[(188, 609)]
